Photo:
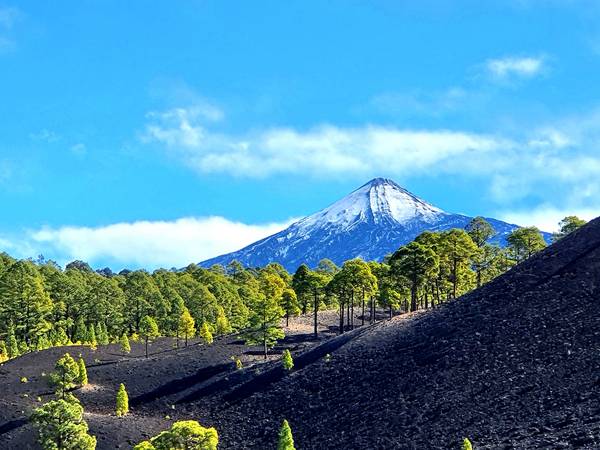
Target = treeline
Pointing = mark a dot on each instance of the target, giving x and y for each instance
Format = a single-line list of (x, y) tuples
[(42, 305)]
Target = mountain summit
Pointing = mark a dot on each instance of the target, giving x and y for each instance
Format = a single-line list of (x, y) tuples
[(370, 223), (380, 201)]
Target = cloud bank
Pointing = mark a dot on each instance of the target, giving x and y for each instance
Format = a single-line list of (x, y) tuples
[(144, 244)]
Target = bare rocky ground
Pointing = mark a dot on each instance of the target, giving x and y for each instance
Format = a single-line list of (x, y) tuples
[(169, 371), (515, 364)]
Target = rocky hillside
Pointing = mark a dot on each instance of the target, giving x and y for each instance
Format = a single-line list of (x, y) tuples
[(513, 365)]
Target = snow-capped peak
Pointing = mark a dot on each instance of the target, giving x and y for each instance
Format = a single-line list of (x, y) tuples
[(378, 201)]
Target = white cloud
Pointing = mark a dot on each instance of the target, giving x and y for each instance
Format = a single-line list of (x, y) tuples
[(322, 150), (546, 217), (554, 162), (565, 153), (145, 244), (510, 67)]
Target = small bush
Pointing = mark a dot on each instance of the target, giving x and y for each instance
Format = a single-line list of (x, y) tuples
[(238, 362), (122, 401), (467, 445), (286, 360), (187, 434), (83, 378), (286, 440), (24, 380)]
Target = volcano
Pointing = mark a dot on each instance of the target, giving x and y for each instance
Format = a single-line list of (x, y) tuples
[(369, 223)]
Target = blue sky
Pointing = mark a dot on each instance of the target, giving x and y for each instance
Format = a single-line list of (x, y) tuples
[(147, 134)]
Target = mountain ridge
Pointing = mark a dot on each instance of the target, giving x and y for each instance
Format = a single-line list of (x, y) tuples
[(370, 222)]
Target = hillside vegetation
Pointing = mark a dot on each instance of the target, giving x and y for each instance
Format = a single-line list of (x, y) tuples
[(44, 306)]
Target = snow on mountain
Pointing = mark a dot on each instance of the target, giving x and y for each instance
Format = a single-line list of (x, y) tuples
[(369, 223)]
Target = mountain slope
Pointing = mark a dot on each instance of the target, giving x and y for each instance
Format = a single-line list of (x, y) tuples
[(370, 223), (514, 364)]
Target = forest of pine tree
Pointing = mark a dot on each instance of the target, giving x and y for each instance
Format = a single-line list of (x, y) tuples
[(43, 305)]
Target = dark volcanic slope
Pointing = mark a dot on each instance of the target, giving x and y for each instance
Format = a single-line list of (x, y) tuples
[(514, 365)]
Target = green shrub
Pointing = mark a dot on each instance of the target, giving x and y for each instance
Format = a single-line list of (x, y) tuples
[(122, 401), (286, 360), (286, 440), (184, 435), (83, 378), (60, 425), (124, 343), (65, 375)]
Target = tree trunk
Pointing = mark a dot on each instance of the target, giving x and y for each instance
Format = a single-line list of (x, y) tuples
[(363, 310), (146, 347), (390, 311), (413, 297), (316, 308), (454, 278), (287, 319), (348, 316), (186, 340), (265, 344), (352, 310), (341, 318)]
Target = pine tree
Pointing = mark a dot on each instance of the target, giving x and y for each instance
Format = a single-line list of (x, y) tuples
[(415, 262), (467, 445), (222, 325), (183, 435), (25, 302), (42, 343), (102, 336), (480, 231), (23, 347), (61, 426), (3, 352), (524, 242), (186, 325), (286, 360), (238, 362), (568, 225), (148, 330), (13, 346), (205, 334), (286, 440), (289, 304), (91, 339), (265, 316), (124, 343), (65, 375), (82, 379), (61, 337), (122, 401), (81, 332)]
